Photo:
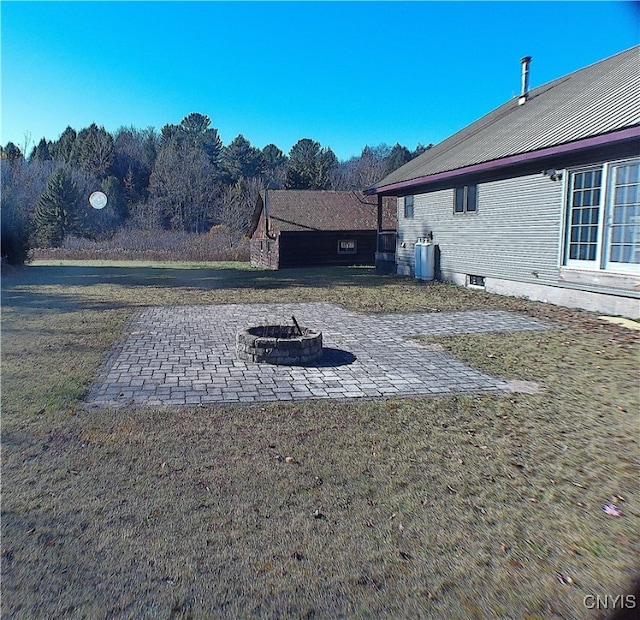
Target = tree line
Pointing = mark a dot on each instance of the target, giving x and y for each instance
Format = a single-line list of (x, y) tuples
[(181, 178)]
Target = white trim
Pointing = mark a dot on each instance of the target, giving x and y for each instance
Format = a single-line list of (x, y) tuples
[(599, 265), (620, 267), (562, 234), (622, 281), (576, 263)]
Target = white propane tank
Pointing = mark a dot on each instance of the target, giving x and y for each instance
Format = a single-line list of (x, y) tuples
[(424, 260)]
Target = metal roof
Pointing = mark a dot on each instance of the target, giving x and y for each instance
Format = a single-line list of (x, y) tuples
[(599, 99)]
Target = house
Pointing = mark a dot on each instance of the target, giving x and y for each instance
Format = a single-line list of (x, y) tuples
[(295, 228), (539, 198)]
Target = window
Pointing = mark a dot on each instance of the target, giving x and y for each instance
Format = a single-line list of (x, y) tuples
[(585, 214), (408, 207), (465, 199), (624, 215), (347, 246), (603, 217), (476, 281)]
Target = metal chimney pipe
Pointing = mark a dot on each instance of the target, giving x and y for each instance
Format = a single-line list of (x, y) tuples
[(524, 93)]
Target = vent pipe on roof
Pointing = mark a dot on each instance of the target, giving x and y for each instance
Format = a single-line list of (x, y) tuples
[(524, 93)]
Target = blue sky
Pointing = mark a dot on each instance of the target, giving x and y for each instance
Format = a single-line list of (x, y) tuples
[(345, 74)]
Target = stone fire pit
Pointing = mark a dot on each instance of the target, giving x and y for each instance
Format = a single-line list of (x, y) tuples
[(286, 345)]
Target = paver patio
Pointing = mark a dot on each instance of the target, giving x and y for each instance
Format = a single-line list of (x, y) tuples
[(186, 355)]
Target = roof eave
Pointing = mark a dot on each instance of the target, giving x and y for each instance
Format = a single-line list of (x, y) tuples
[(521, 158)]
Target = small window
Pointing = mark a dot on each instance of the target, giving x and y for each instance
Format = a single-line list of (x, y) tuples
[(408, 207), (477, 281), (347, 246), (465, 199)]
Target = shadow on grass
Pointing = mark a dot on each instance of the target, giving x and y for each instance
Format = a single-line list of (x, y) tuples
[(20, 285), (21, 300)]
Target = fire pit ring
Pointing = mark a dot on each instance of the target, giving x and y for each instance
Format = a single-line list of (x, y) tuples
[(284, 345)]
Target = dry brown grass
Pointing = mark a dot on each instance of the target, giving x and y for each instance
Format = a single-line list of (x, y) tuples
[(465, 507), (151, 245)]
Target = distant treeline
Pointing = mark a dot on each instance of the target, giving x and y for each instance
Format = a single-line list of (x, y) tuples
[(181, 179)]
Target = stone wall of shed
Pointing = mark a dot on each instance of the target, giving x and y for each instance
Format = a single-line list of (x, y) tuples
[(265, 253)]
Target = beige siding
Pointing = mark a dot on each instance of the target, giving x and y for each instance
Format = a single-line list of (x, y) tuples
[(514, 233)]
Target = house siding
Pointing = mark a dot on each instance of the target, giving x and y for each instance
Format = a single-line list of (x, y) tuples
[(514, 233)]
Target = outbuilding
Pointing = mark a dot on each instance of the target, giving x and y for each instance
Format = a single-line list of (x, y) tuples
[(297, 228)]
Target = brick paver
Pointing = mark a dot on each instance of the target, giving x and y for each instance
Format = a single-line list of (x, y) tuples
[(186, 355)]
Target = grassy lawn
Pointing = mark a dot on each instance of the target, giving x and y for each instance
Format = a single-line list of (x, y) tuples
[(457, 507)]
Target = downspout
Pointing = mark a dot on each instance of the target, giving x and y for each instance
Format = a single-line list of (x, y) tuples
[(379, 222), (266, 214)]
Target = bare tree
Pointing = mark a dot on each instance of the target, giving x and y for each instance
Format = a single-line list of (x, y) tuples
[(27, 141), (363, 171), (21, 185), (135, 153), (235, 207), (146, 215), (182, 185)]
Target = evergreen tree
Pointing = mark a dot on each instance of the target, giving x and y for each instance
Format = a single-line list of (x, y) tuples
[(274, 162), (11, 153), (240, 159), (41, 152), (193, 132), (115, 197), (95, 150), (57, 213), (420, 148), (135, 154), (310, 166), (193, 127), (398, 156), (64, 148), (169, 135)]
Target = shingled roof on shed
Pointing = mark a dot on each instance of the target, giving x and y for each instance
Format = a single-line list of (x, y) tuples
[(309, 210), (601, 99)]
